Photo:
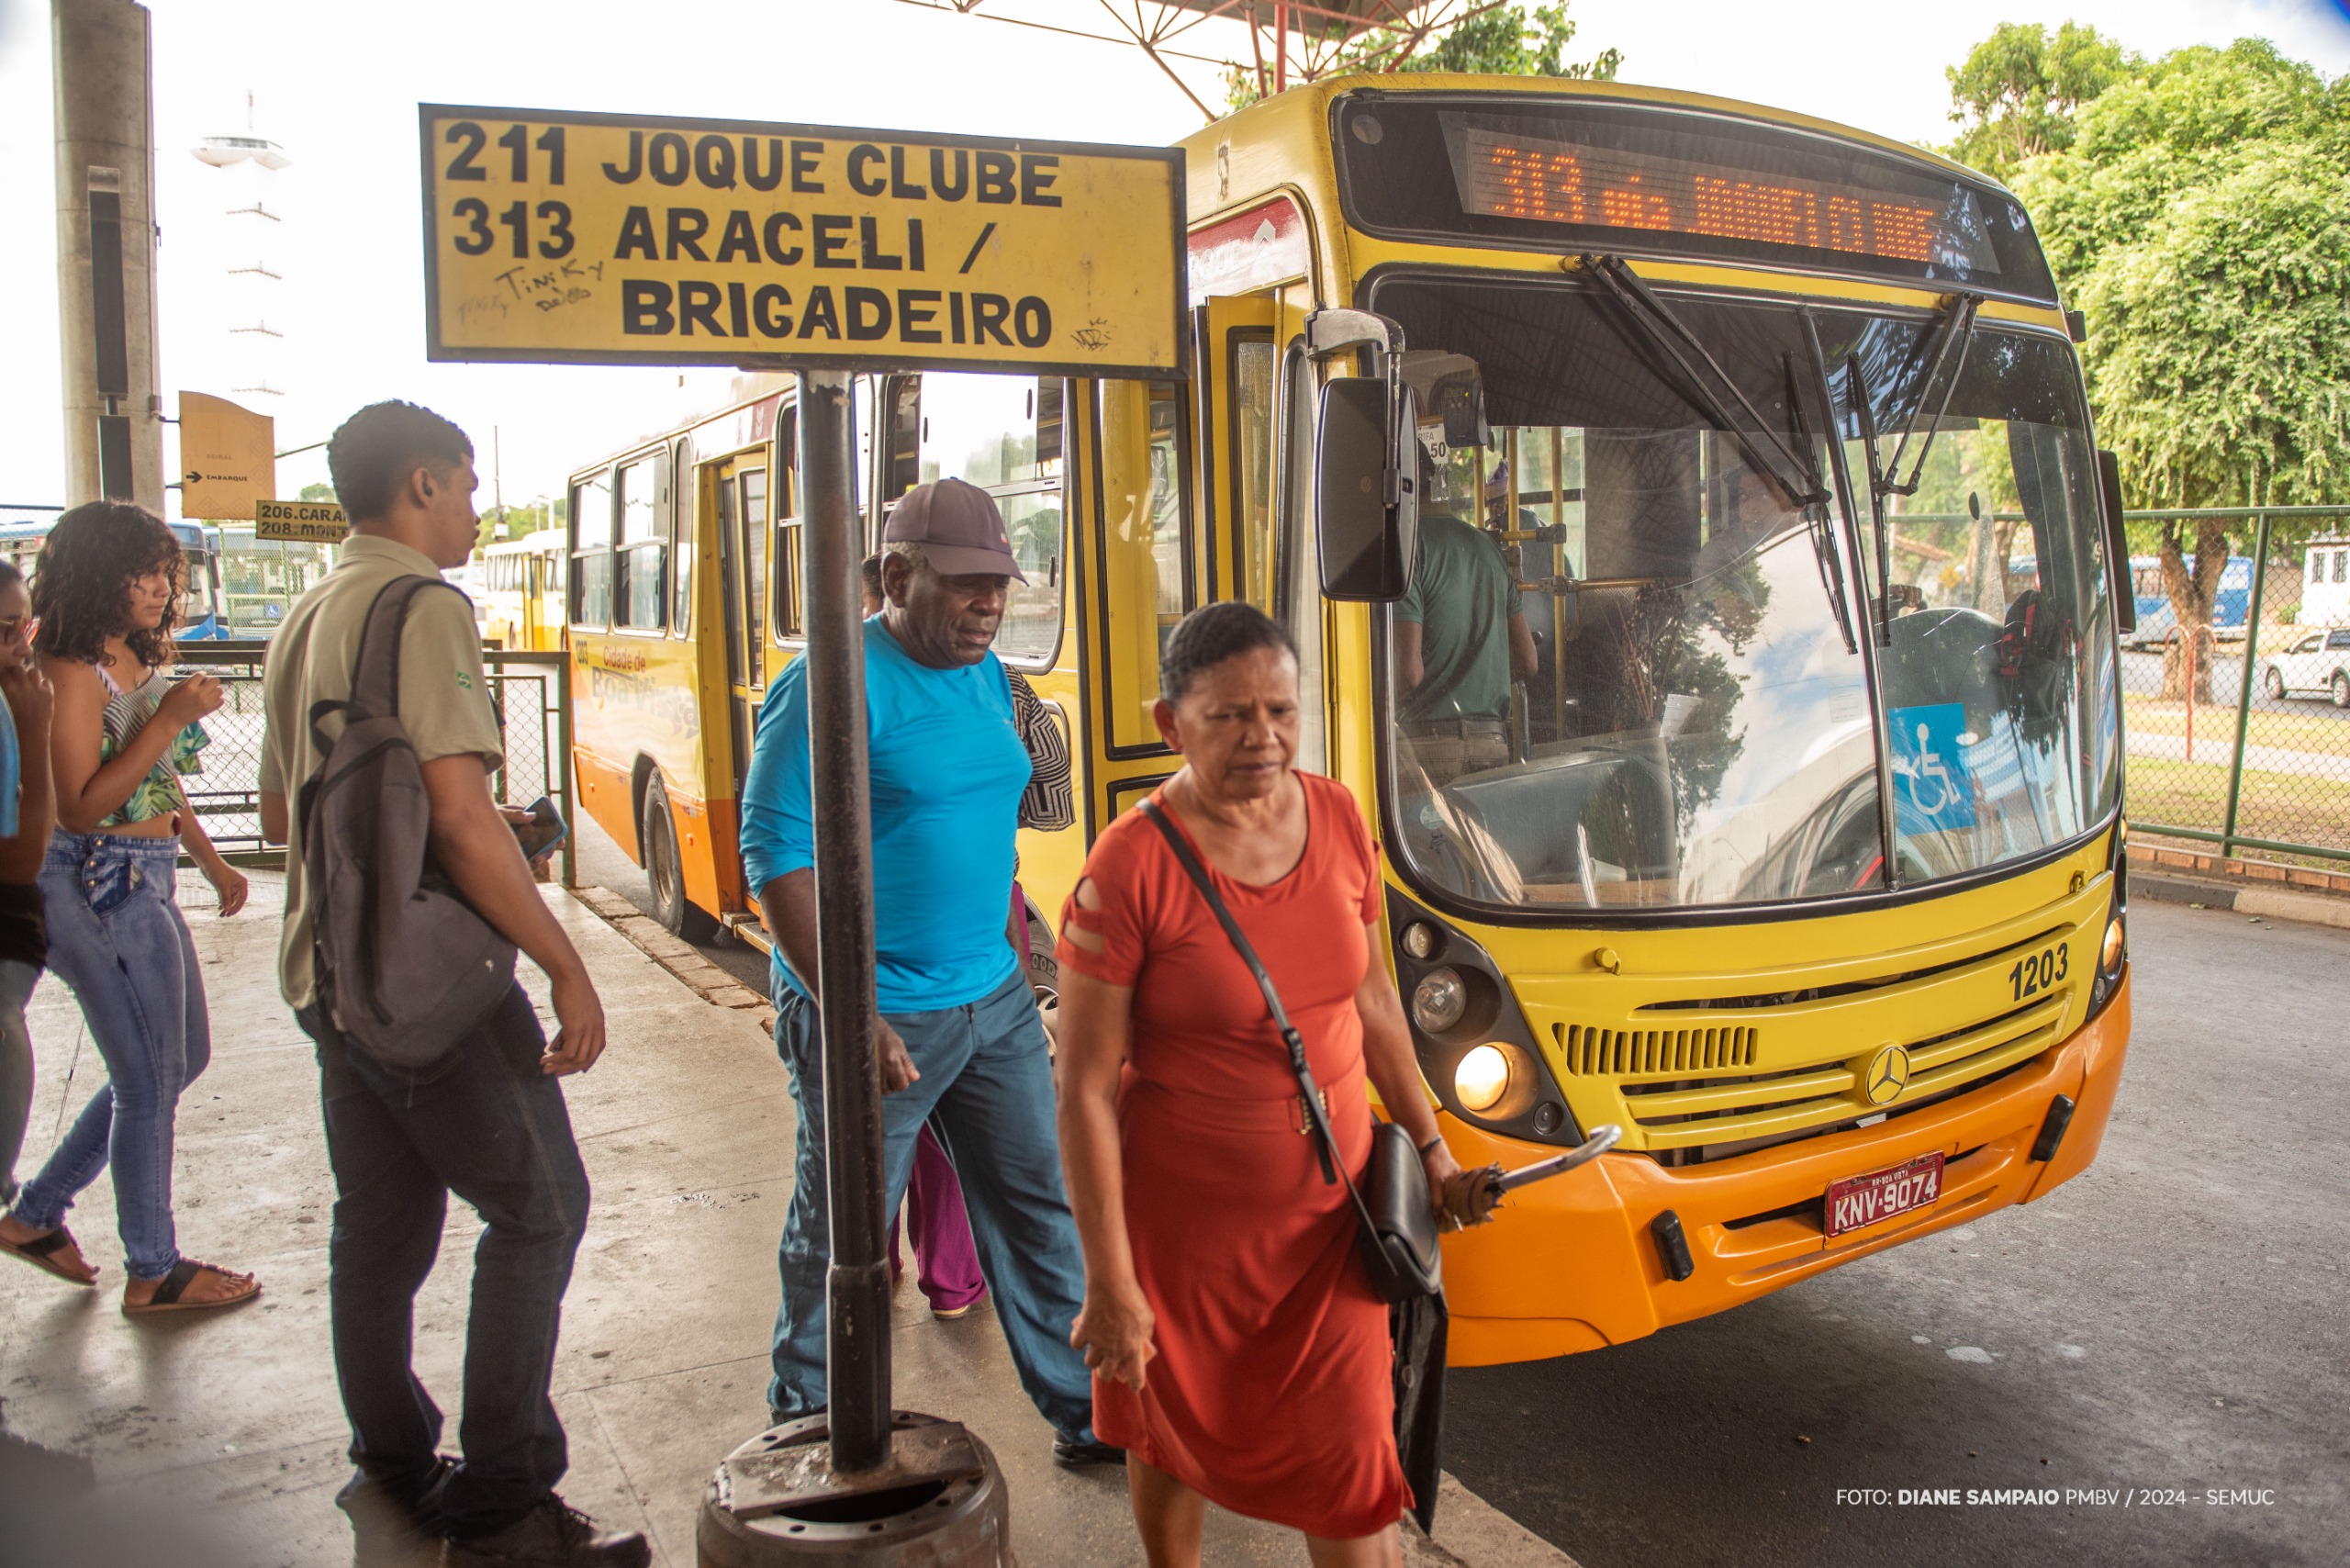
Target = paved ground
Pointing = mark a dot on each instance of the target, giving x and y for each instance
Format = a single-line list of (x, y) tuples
[(219, 1441), (603, 864), (2170, 1323)]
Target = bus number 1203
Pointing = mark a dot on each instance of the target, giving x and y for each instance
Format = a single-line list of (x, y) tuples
[(2039, 971)]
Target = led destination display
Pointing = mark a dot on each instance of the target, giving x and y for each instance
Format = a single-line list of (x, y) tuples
[(1505, 174)]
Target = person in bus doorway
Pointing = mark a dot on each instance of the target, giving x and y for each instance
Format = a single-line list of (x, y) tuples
[(24, 934), (960, 1038), (107, 590), (488, 1122), (1460, 642), (946, 1261)]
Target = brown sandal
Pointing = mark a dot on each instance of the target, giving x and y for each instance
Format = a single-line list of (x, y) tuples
[(174, 1284), (41, 1251)]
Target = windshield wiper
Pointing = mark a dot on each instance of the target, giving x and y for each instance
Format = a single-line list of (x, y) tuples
[(1956, 330), (1815, 517), (1796, 475), (1888, 829)]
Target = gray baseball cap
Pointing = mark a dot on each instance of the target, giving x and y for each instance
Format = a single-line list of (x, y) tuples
[(959, 528)]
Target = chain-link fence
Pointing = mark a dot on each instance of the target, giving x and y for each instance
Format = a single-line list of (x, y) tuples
[(528, 690), (2239, 736)]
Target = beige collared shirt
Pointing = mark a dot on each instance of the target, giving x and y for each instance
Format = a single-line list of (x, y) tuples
[(443, 699)]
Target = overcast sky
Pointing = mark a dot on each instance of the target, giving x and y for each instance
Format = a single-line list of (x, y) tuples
[(338, 85)]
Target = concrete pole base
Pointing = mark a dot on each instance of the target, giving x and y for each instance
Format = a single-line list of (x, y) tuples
[(938, 1502)]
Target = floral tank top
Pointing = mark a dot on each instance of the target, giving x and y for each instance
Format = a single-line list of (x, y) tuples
[(128, 713)]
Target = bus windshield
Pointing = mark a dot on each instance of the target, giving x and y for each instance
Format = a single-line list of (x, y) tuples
[(1637, 670)]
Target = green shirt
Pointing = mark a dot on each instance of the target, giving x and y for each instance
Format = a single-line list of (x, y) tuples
[(1462, 597)]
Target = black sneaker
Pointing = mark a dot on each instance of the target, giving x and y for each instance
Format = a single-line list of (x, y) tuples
[(393, 1525), (1076, 1454), (553, 1535)]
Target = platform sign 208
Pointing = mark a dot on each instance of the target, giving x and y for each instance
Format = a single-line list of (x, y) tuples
[(620, 238)]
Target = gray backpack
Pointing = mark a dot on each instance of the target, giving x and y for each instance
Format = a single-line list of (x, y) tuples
[(406, 969)]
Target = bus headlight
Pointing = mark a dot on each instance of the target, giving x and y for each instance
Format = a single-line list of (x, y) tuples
[(1481, 1078), (1438, 1001), (1476, 1052), (2109, 956)]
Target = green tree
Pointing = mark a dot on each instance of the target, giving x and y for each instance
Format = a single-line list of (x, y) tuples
[(518, 522), (2016, 95), (1501, 41), (317, 491), (2195, 210)]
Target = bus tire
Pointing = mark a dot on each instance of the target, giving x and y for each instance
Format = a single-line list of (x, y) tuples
[(664, 875)]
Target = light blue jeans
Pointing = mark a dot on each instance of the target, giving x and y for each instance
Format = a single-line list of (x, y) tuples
[(987, 1075), (116, 940), (16, 981)]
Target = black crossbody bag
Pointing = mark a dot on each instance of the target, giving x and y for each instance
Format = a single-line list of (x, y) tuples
[(1396, 1227)]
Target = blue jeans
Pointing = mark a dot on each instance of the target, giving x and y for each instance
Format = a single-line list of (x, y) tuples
[(987, 1075), (117, 940), (486, 1124), (16, 981)]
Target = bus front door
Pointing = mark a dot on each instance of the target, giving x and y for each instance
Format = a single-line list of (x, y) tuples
[(741, 495)]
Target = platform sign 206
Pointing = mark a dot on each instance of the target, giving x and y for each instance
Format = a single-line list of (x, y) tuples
[(616, 238)]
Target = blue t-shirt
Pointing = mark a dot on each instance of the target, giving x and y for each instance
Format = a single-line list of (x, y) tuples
[(947, 770)]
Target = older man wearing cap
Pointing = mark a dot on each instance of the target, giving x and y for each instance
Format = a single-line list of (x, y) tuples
[(959, 1037)]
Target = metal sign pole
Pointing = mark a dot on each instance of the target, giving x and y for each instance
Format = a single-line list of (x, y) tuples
[(857, 1288)]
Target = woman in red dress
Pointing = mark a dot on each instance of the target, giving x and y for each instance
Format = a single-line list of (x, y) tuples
[(1241, 1353)]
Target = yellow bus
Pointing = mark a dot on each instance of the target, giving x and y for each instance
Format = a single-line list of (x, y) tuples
[(521, 599), (1773, 841)]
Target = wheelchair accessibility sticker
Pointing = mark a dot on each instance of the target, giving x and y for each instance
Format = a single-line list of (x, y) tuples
[(1934, 789)]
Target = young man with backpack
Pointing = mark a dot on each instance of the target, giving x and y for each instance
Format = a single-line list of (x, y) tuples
[(464, 1099)]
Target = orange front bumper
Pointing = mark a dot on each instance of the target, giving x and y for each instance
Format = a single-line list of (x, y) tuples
[(1571, 1264)]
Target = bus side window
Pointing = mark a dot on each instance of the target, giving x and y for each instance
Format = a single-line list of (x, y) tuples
[(1145, 542), (785, 616), (681, 567), (638, 597), (1299, 575), (1253, 358), (591, 570), (752, 483)]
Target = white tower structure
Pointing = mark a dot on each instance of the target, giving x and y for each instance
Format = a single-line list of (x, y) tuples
[(252, 274)]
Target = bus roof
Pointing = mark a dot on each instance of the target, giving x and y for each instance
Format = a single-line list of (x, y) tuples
[(540, 542)]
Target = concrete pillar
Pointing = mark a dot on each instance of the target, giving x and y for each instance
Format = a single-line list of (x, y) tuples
[(106, 252)]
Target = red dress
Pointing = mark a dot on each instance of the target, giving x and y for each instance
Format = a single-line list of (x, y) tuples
[(1272, 1394)]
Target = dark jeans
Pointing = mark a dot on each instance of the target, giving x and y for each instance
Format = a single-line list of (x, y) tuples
[(486, 1124)]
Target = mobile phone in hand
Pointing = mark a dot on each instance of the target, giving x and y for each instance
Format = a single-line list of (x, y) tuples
[(546, 829)]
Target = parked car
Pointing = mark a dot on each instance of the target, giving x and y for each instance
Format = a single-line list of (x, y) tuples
[(2316, 664)]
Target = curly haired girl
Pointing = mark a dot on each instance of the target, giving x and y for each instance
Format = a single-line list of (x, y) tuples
[(106, 592)]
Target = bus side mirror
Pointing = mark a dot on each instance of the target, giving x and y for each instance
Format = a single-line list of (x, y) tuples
[(1366, 488), (2117, 543)]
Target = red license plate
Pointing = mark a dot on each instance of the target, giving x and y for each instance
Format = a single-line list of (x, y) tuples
[(1859, 1200)]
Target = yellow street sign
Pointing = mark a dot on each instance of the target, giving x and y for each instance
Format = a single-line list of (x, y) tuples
[(228, 457), (300, 522), (625, 238)]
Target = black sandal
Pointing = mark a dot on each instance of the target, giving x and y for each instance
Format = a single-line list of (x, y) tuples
[(40, 1252), (173, 1284)]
